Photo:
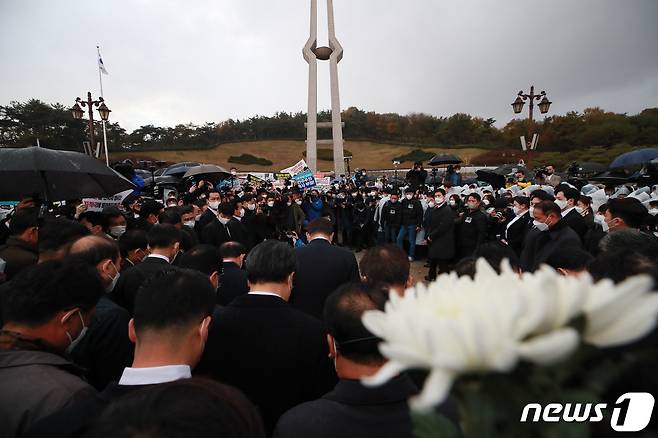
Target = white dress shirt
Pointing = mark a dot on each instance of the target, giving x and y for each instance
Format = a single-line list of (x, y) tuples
[(257, 292), (158, 256), (154, 375), (565, 212)]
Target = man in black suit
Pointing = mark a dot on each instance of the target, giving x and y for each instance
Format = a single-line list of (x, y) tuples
[(440, 236), (553, 235), (567, 198), (236, 227), (274, 353), (205, 259), (321, 268), (218, 230), (163, 243), (352, 409), (233, 280), (518, 227)]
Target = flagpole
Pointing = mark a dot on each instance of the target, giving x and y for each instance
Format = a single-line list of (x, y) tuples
[(100, 80)]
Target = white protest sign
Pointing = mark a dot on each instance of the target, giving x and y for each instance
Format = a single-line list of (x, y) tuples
[(295, 169), (98, 204)]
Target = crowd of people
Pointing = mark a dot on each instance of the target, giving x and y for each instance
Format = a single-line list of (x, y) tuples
[(236, 311)]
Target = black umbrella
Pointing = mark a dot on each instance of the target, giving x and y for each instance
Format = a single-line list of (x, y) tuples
[(610, 177), (211, 171), (179, 169), (491, 177), (443, 159), (56, 175), (508, 169)]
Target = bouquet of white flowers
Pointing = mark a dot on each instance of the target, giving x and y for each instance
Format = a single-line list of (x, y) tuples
[(499, 341)]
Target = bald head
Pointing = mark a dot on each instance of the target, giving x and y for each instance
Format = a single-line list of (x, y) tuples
[(100, 252)]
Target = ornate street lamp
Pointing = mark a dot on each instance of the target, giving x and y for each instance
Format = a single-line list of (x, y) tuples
[(103, 110), (543, 105)]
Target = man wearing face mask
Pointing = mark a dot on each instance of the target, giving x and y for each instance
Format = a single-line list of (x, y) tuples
[(412, 220), (275, 354), (392, 218), (133, 247), (106, 349), (116, 222), (624, 214), (440, 236), (567, 199), (471, 228), (553, 235), (47, 311), (163, 245), (218, 231), (211, 212)]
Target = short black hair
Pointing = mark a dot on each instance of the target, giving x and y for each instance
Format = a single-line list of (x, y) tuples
[(203, 258), (95, 218), (541, 194), (630, 210), (494, 253), (320, 226), (232, 249), (180, 409), (173, 298), (575, 259), (150, 207), (97, 249), (163, 236), (622, 264), (111, 212), (522, 200), (630, 239), (39, 292), (548, 207), (226, 209), (170, 215), (131, 240), (385, 264), (270, 261), (570, 193), (474, 195), (58, 233), (343, 310), (22, 220)]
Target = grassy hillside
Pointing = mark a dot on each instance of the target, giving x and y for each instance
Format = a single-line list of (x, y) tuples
[(283, 153)]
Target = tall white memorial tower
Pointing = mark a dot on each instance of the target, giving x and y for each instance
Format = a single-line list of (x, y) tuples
[(333, 53)]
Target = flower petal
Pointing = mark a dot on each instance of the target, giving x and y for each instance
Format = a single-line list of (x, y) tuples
[(632, 325), (436, 389), (549, 348)]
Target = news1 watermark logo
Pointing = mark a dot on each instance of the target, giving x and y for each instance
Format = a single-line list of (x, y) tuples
[(631, 413)]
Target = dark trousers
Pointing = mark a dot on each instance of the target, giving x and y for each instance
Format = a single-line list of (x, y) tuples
[(442, 265)]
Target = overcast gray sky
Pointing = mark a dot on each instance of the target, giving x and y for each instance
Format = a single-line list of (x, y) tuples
[(208, 60)]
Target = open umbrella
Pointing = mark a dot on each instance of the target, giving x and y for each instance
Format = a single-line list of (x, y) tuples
[(635, 158), (211, 171), (496, 180), (179, 169), (610, 177), (443, 159), (508, 169), (56, 175), (587, 167)]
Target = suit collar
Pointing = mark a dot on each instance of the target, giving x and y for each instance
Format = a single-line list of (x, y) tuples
[(248, 300)]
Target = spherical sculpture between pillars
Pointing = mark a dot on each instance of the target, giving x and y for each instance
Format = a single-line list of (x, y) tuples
[(323, 53)]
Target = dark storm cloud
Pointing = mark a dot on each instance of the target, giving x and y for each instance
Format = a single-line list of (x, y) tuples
[(194, 61)]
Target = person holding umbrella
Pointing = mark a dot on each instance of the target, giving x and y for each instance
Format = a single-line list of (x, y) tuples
[(416, 176)]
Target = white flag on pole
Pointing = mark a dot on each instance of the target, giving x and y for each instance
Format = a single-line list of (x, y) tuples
[(101, 66)]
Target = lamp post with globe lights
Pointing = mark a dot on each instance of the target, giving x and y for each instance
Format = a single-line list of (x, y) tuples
[(103, 110), (544, 104)]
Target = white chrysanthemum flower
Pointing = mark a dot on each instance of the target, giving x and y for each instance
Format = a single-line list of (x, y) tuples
[(459, 325), (619, 314)]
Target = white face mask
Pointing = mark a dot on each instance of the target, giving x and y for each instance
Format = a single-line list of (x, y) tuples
[(517, 211), (251, 207), (189, 224), (531, 210), (561, 203), (117, 231), (223, 220), (298, 202), (233, 172), (431, 204), (472, 205), (113, 282), (409, 196), (439, 200), (486, 202), (580, 210), (270, 204), (541, 226), (452, 203), (76, 341), (214, 205), (197, 218), (241, 213), (653, 211)]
